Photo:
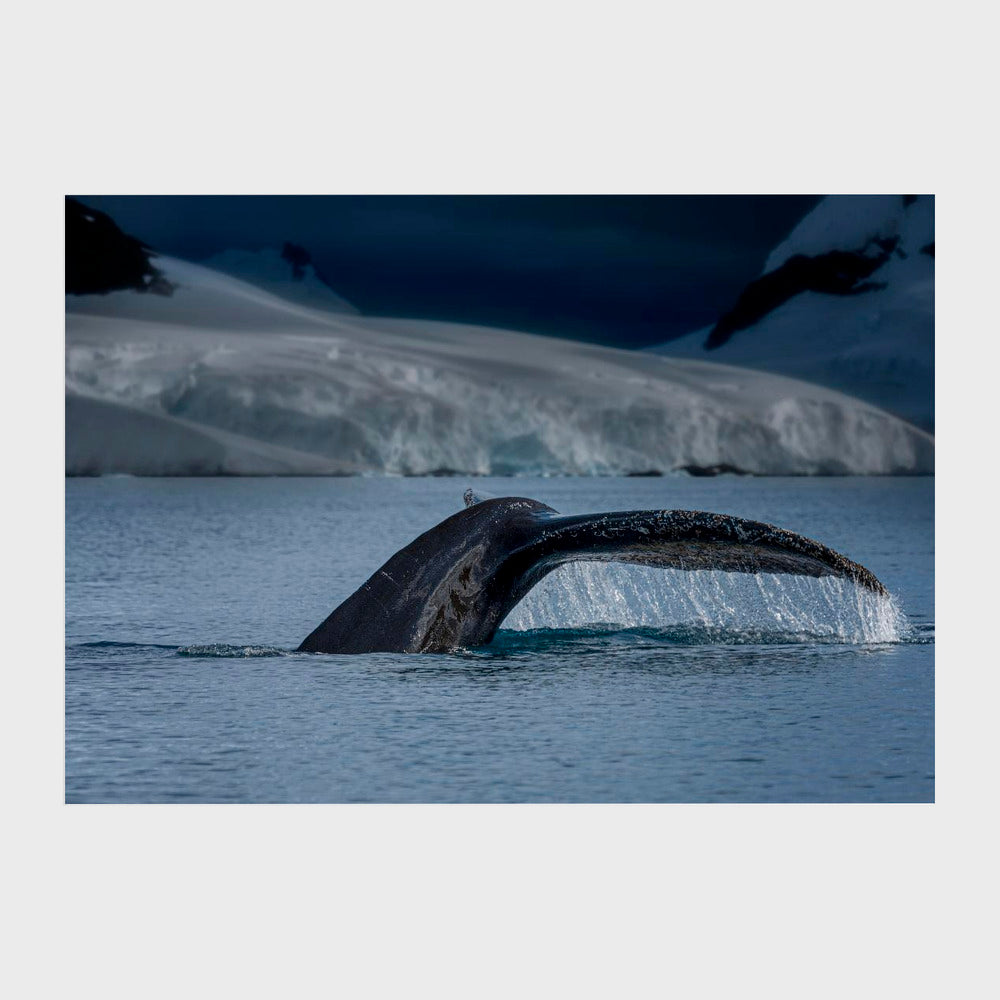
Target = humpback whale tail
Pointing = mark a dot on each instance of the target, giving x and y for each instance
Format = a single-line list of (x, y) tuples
[(455, 584)]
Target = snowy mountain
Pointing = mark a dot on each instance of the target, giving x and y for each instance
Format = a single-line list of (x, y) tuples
[(224, 377), (288, 273), (846, 301)]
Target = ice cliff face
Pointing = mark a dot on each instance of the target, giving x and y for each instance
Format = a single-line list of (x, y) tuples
[(223, 377), (846, 301)]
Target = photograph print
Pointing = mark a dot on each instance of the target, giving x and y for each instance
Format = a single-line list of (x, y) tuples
[(499, 498)]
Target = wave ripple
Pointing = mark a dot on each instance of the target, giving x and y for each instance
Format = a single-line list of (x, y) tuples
[(228, 651)]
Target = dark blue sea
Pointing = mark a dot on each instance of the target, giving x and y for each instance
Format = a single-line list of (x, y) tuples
[(186, 597)]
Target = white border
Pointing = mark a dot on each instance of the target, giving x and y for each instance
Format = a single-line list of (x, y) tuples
[(519, 98)]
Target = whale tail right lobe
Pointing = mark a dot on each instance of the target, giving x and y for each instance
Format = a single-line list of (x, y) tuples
[(685, 540)]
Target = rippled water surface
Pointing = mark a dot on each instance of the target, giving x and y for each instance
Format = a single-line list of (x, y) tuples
[(186, 597)]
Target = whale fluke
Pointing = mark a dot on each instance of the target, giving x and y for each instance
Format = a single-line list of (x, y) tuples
[(453, 586)]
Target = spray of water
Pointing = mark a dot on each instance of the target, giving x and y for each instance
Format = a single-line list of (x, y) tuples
[(227, 650), (739, 606)]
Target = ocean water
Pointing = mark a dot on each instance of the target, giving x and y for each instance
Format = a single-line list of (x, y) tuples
[(186, 597)]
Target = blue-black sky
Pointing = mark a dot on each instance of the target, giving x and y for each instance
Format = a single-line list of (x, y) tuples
[(627, 270)]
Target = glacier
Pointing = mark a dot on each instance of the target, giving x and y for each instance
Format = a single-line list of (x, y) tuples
[(224, 377), (878, 344)]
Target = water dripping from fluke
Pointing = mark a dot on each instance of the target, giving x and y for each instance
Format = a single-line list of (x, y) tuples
[(708, 606)]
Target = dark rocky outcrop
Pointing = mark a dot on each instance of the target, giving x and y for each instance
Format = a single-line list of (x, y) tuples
[(300, 258), (839, 272), (724, 468), (100, 258)]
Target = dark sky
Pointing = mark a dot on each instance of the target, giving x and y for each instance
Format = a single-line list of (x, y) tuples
[(628, 270)]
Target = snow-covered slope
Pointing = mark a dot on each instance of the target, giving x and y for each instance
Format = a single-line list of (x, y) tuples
[(222, 377), (269, 270), (877, 344)]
